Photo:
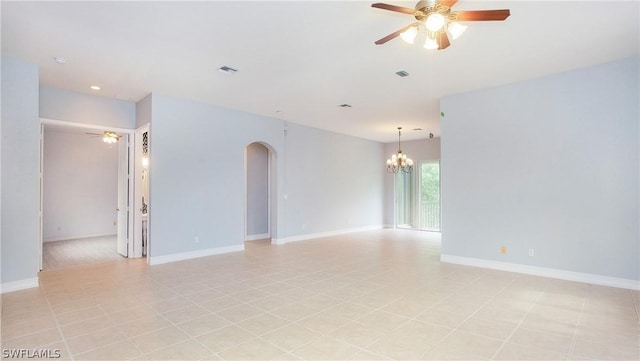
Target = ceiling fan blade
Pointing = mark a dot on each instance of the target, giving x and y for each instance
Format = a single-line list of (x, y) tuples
[(448, 3), (480, 15), (398, 9), (394, 35), (443, 40)]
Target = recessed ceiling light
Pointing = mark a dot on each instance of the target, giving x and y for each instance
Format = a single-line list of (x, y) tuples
[(95, 87), (402, 73), (60, 60), (227, 70)]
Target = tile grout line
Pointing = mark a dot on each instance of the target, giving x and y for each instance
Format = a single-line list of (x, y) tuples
[(126, 337), (574, 336), (518, 325), (64, 339), (461, 323)]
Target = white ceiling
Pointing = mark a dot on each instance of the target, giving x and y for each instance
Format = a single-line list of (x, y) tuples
[(299, 60)]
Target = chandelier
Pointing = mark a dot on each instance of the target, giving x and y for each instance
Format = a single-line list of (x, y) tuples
[(399, 161), (110, 137)]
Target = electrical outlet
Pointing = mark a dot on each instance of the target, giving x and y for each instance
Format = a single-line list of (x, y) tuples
[(503, 250), (531, 253)]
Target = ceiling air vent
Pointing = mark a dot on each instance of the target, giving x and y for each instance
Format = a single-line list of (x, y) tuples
[(402, 73), (345, 105), (227, 70)]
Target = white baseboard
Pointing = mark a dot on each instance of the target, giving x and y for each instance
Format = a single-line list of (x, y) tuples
[(544, 272), (19, 285), (194, 254), (69, 238), (278, 240), (305, 237), (255, 237)]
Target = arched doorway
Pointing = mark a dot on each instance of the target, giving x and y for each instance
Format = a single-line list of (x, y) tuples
[(260, 180)]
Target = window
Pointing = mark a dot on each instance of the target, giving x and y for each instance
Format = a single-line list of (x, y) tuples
[(418, 197)]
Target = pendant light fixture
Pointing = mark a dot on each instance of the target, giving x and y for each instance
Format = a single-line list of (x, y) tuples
[(399, 161)]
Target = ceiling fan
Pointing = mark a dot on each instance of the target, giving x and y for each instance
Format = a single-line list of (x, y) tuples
[(438, 21), (107, 136)]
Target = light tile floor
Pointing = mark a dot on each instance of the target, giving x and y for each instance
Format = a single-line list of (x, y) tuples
[(82, 251), (380, 295)]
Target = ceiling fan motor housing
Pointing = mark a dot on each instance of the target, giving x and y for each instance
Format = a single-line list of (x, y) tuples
[(425, 8)]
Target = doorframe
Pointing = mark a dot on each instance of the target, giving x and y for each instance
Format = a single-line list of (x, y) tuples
[(64, 123), (416, 199), (419, 193), (137, 191)]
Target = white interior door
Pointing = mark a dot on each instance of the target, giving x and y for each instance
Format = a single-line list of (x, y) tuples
[(123, 195)]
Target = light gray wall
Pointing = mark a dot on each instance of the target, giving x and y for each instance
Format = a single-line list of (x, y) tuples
[(325, 181), (197, 175), (549, 164), (257, 189), (418, 150), (80, 186), (333, 181), (143, 111), (20, 171), (69, 106)]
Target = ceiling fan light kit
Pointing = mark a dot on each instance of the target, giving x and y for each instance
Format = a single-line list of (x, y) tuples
[(437, 21), (110, 137)]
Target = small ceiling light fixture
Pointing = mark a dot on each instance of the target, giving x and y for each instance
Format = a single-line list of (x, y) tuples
[(399, 162), (95, 87), (59, 60), (110, 137)]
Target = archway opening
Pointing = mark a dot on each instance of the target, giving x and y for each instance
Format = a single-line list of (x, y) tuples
[(260, 180)]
